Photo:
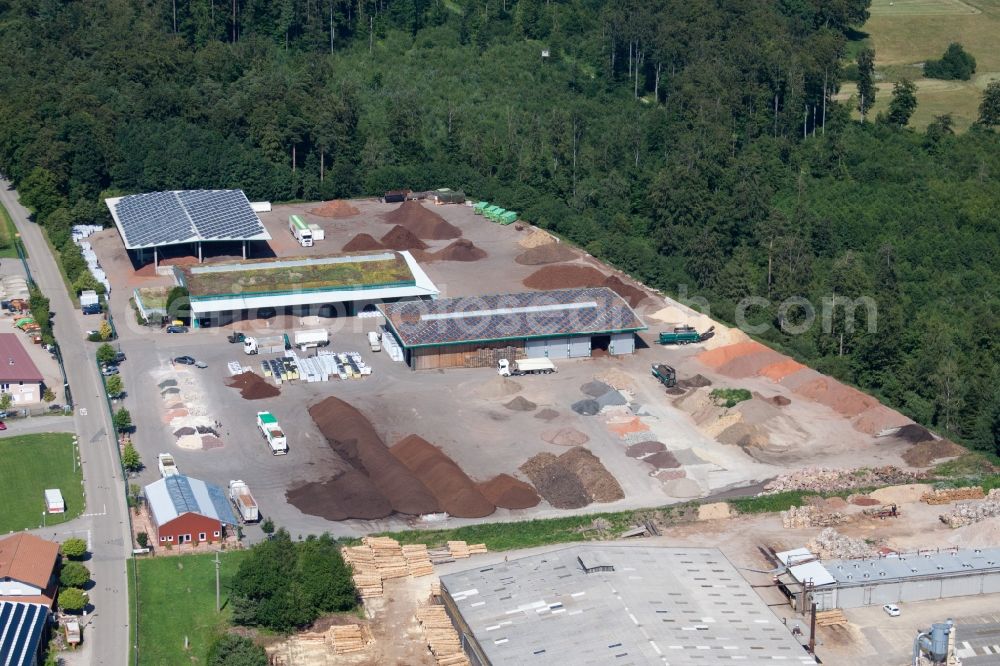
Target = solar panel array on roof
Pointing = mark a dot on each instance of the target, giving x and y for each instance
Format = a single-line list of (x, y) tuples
[(21, 628), (165, 218), (181, 494), (535, 314)]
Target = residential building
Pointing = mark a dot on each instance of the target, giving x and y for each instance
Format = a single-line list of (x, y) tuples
[(18, 374), (28, 569)]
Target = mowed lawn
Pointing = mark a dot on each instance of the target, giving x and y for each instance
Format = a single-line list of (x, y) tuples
[(176, 598), (906, 33), (28, 465)]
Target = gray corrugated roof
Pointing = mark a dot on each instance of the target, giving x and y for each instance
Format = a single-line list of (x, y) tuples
[(849, 572), (176, 495), (659, 605), (21, 628)]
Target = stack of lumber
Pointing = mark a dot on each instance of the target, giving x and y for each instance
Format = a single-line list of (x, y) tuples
[(441, 636), (830, 618), (389, 558), (458, 549), (347, 638), (947, 495), (436, 587), (440, 555), (366, 575), (418, 561), (477, 549)]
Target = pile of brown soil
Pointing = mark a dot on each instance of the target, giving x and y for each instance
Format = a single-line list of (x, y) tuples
[(401, 238), (564, 277), (865, 501), (497, 387), (350, 495), (547, 414), (565, 437), (914, 434), (601, 486), (644, 449), (422, 222), (456, 492), (352, 436), (520, 404), (780, 401), (252, 386), (550, 253), (362, 243), (509, 493), (925, 453), (558, 485), (662, 460), (335, 209), (460, 250), (696, 381), (632, 295)]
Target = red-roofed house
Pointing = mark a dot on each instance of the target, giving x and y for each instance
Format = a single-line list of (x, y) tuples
[(18, 374), (27, 569)]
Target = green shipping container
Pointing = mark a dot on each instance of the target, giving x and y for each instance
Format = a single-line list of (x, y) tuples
[(508, 218)]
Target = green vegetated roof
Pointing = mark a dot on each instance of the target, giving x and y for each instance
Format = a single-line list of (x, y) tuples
[(154, 297), (297, 274)]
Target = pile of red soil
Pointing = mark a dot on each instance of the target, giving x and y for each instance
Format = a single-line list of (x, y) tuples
[(864, 501), (252, 386), (460, 250), (401, 238), (454, 490), (632, 295), (564, 277), (509, 493), (550, 253), (422, 222), (352, 436), (350, 495), (335, 209), (362, 243)]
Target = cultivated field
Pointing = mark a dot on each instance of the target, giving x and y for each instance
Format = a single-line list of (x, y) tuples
[(28, 465), (906, 33)]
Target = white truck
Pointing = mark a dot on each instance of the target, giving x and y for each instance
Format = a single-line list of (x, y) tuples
[(303, 234), (246, 505), (274, 344), (375, 341), (167, 466), (272, 432), (316, 337), (525, 366), (318, 233)]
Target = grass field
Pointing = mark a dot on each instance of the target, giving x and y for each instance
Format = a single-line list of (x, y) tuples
[(176, 600), (906, 33), (28, 465), (7, 234)]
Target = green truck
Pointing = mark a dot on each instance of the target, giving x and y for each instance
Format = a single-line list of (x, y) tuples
[(685, 335), (665, 374)]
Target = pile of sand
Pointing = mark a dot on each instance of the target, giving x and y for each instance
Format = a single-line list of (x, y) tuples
[(353, 438), (507, 492), (422, 222), (564, 277), (537, 238), (674, 315), (497, 387), (335, 209), (454, 490), (362, 243), (252, 386), (547, 253), (681, 487), (401, 238), (565, 437), (520, 404), (616, 378), (460, 250)]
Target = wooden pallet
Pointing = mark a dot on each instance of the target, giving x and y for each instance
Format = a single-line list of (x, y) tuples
[(830, 618)]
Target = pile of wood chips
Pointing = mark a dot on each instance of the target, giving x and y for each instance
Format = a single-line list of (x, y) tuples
[(442, 639), (460, 549), (418, 561), (948, 495)]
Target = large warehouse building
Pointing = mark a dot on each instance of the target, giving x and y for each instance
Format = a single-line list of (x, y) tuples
[(349, 281), (476, 331), (150, 222), (613, 604), (920, 576)]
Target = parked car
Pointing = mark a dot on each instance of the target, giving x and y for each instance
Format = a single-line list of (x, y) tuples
[(177, 329), (3, 426), (184, 360), (200, 364), (92, 309), (119, 357), (892, 610), (109, 370)]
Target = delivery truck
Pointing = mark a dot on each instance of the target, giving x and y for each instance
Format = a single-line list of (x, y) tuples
[(272, 432), (246, 505), (303, 234), (374, 341), (273, 344), (525, 366), (316, 337), (167, 466)]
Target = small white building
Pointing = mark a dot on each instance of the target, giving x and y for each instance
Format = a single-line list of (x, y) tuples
[(54, 502)]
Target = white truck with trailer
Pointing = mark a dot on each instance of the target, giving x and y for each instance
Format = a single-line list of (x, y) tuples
[(303, 234), (273, 344), (167, 466), (375, 341), (525, 366), (272, 432), (246, 505), (316, 337)]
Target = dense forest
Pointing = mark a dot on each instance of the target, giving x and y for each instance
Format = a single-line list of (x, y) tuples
[(692, 144)]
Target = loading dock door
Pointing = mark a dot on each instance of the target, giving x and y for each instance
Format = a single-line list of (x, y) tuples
[(547, 348), (622, 343), (579, 347)]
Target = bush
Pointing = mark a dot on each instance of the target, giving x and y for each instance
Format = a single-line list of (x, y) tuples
[(729, 397), (74, 548), (142, 539), (954, 64), (49, 395), (72, 600), (74, 574), (233, 650)]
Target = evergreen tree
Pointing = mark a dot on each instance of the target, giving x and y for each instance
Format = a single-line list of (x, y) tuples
[(903, 104), (866, 81)]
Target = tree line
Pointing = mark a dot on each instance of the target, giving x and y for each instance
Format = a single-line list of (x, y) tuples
[(694, 145)]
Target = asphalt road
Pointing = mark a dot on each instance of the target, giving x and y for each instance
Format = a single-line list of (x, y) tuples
[(106, 520)]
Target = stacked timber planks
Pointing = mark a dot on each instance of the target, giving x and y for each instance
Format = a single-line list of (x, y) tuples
[(418, 561), (458, 549), (366, 575), (436, 587), (477, 549), (389, 558), (830, 618), (347, 638), (442, 639)]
